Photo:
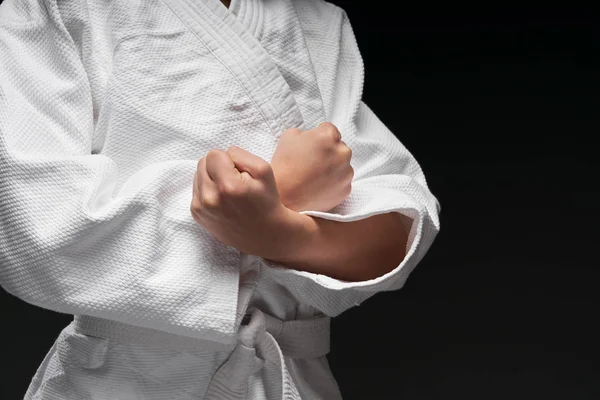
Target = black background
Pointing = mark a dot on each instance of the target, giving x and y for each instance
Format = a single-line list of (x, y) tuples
[(501, 110)]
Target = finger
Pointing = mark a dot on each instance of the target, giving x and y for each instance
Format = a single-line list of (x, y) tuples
[(195, 197), (203, 180), (206, 190), (250, 163), (220, 167), (195, 185)]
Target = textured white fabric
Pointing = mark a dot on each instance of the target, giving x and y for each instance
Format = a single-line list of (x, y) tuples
[(105, 109)]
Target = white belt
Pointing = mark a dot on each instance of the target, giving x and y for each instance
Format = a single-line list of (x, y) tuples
[(263, 342)]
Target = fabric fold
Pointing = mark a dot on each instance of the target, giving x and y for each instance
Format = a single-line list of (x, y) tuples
[(71, 239)]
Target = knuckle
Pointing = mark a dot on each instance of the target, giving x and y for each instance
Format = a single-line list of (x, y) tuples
[(335, 134), (229, 189), (263, 168), (346, 151), (330, 131), (351, 172), (325, 129), (327, 126), (210, 201), (212, 154)]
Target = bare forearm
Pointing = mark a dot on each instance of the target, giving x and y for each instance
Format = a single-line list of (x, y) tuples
[(350, 251)]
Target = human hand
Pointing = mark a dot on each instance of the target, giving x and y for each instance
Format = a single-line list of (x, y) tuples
[(312, 168), (236, 199)]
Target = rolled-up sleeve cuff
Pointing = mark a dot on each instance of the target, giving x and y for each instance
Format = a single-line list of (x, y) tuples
[(370, 197)]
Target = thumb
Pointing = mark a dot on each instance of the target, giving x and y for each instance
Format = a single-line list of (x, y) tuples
[(247, 162)]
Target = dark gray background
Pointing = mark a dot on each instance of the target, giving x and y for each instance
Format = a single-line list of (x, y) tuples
[(501, 110)]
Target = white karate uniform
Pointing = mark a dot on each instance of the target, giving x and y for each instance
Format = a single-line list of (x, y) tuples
[(105, 109)]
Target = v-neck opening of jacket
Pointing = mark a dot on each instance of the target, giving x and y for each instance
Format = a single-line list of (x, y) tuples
[(240, 52)]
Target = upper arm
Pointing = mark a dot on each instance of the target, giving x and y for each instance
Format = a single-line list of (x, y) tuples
[(45, 92)]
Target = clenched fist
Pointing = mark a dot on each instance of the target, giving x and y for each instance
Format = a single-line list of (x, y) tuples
[(236, 199), (312, 168)]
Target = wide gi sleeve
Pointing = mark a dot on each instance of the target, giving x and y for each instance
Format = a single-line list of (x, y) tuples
[(387, 177), (71, 243)]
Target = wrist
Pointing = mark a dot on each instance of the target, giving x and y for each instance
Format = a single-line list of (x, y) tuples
[(283, 193), (297, 236)]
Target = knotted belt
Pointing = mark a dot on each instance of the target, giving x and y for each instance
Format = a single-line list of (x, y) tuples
[(263, 342)]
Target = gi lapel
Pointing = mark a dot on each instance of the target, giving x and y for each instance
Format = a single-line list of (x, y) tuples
[(239, 51), (277, 27)]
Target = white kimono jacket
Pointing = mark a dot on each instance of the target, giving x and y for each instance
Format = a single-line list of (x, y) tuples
[(105, 109)]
